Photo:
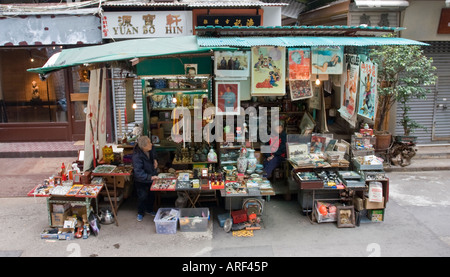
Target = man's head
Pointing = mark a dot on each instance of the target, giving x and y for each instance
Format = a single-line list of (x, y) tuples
[(144, 143)]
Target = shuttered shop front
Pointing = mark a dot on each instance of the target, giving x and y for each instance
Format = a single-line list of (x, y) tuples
[(432, 112)]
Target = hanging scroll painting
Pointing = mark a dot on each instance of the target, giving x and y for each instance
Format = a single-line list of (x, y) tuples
[(368, 90), (300, 89), (299, 63), (327, 59), (268, 71), (349, 88)]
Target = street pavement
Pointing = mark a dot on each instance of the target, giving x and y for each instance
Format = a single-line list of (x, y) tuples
[(416, 224)]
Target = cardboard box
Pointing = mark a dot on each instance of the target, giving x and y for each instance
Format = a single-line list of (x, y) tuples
[(373, 205), (66, 233), (70, 223), (118, 180), (50, 234), (359, 204), (376, 215), (60, 208), (80, 211), (58, 218)]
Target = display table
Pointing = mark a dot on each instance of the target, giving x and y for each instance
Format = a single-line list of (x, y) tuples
[(195, 188), (113, 172), (191, 188), (75, 195)]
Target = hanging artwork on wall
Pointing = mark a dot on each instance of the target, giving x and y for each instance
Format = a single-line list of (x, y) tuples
[(368, 90), (232, 64), (227, 98), (268, 71), (300, 89), (315, 102), (299, 60), (327, 59), (349, 88)]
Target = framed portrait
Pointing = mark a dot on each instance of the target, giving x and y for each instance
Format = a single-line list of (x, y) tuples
[(345, 216), (327, 59), (299, 61), (227, 98), (190, 69), (317, 144), (268, 71), (232, 64), (300, 89)]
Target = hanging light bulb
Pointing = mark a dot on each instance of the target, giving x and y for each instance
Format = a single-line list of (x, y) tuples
[(32, 60), (317, 80), (174, 100), (134, 105)]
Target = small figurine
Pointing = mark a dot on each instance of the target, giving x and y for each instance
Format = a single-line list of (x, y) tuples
[(108, 154)]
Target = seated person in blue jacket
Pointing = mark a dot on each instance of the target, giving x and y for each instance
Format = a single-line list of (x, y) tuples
[(277, 153), (145, 171)]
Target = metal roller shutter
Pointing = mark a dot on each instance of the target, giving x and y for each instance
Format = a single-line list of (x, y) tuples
[(119, 95), (424, 111)]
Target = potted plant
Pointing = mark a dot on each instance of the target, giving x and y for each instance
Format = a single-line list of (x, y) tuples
[(403, 74)]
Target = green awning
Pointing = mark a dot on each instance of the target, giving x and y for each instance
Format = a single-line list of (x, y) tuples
[(123, 50)]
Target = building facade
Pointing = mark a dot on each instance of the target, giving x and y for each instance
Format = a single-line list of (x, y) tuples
[(50, 108)]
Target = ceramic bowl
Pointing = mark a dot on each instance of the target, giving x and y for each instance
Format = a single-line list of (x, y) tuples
[(259, 166), (259, 171)]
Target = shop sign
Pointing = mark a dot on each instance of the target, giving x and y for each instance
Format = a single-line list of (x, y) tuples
[(444, 22), (146, 24), (229, 20)]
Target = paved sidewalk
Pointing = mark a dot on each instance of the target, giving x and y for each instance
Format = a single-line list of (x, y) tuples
[(40, 149)]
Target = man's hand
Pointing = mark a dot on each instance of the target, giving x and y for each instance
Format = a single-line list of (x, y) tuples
[(154, 178), (269, 158), (156, 164)]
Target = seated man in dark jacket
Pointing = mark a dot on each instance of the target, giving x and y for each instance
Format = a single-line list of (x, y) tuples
[(145, 171), (278, 150)]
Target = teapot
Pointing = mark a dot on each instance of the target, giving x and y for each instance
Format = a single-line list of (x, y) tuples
[(106, 217)]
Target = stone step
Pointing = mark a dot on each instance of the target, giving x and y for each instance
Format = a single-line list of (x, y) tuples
[(433, 151)]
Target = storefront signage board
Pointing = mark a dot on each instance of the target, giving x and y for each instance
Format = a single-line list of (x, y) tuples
[(146, 24)]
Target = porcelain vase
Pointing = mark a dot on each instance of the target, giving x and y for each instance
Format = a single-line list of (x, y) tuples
[(242, 163), (251, 166)]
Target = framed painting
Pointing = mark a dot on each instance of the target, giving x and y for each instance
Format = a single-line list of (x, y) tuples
[(327, 59), (232, 64), (307, 124), (268, 71), (227, 98), (296, 150), (299, 61), (345, 216), (300, 89)]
